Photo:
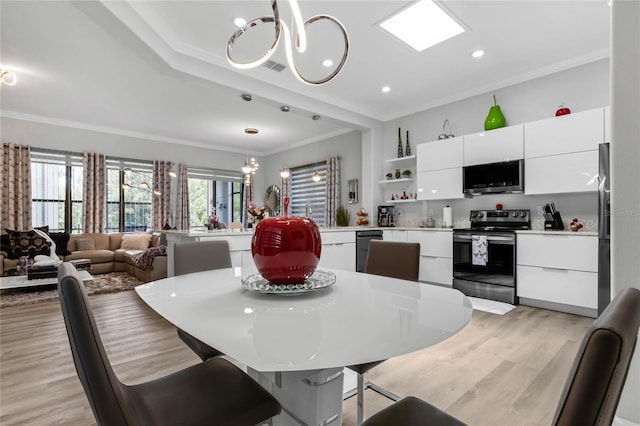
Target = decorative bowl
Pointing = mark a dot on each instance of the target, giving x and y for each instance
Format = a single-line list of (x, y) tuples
[(286, 250)]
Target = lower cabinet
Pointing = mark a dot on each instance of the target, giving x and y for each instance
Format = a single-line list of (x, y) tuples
[(558, 272), (436, 256), (338, 250)]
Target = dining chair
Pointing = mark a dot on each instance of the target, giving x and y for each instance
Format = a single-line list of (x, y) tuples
[(392, 259), (592, 390), (210, 392), (198, 256)]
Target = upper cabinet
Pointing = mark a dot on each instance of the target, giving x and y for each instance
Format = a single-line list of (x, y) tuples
[(561, 153), (441, 154), (440, 169), (575, 132), (493, 146)]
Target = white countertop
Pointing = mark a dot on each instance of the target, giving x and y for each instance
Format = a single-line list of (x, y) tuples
[(231, 233), (361, 318), (564, 233)]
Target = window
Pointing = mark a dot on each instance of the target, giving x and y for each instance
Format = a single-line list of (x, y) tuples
[(56, 190), (209, 188), (129, 206), (309, 198)]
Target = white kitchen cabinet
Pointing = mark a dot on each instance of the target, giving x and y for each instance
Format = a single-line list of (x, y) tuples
[(558, 272), (574, 172), (438, 155), (440, 184), (338, 250), (400, 235), (436, 256), (581, 131), (493, 146)]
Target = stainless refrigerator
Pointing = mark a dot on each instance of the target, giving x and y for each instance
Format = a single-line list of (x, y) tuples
[(604, 230)]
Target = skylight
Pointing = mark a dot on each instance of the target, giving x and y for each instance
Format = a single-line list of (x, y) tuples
[(422, 25)]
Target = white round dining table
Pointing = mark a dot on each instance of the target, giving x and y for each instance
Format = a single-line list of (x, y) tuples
[(296, 346)]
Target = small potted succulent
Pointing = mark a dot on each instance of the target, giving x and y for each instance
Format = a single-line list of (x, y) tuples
[(406, 173), (389, 176)]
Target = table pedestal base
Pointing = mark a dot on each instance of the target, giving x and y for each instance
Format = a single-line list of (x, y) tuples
[(311, 397)]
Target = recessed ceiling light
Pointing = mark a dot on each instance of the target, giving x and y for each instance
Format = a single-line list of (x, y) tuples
[(239, 22), (422, 25), (477, 53), (386, 89), (327, 63)]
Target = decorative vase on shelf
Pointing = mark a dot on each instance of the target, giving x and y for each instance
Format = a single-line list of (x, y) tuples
[(407, 150), (400, 154), (398, 174), (495, 119)]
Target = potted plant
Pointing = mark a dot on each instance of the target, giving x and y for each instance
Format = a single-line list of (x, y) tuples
[(343, 217), (406, 173), (389, 176)]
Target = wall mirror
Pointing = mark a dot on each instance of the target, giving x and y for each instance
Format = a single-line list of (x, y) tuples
[(352, 191), (272, 200)]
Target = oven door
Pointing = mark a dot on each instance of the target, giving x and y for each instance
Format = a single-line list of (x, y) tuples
[(485, 258)]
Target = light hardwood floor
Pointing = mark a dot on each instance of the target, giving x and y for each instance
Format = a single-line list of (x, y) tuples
[(499, 370)]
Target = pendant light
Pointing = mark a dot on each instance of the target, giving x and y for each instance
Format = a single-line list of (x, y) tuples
[(285, 172)]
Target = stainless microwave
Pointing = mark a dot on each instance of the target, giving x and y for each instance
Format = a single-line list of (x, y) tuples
[(493, 178)]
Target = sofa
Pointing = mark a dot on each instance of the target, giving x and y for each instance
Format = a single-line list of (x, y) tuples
[(112, 253)]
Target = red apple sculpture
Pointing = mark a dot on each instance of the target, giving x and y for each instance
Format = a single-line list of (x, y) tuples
[(286, 250), (562, 110)]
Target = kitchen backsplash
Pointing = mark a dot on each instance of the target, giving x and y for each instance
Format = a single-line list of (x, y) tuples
[(582, 206)]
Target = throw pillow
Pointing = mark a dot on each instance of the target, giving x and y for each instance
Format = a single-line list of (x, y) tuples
[(62, 240), (27, 243), (83, 244), (137, 241)]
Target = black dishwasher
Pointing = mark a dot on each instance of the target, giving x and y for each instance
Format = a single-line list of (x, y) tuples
[(362, 246)]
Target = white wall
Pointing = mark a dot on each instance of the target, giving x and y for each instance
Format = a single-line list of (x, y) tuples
[(580, 88), (348, 146), (49, 136)]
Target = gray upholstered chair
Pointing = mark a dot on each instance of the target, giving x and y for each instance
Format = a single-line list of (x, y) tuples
[(593, 387), (395, 260), (198, 256), (208, 393)]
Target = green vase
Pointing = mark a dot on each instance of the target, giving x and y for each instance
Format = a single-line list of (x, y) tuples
[(495, 119)]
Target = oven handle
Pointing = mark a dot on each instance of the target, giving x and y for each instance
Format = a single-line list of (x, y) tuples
[(467, 237)]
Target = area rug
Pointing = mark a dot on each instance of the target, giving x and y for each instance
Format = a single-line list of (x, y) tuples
[(490, 306), (104, 283)]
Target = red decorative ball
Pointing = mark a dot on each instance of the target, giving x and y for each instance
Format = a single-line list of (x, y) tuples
[(286, 250), (562, 110)]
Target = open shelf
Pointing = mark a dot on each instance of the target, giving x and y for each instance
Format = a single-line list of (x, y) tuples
[(397, 180), (409, 159), (401, 201)]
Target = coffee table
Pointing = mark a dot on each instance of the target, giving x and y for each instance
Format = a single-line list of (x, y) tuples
[(21, 281)]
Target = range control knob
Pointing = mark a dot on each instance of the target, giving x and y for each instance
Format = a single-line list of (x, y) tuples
[(523, 214), (473, 215), (480, 215), (515, 214)]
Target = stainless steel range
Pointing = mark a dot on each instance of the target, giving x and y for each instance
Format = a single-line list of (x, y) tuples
[(484, 256)]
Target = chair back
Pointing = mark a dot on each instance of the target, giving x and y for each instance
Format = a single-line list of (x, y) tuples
[(393, 259), (103, 389), (197, 256), (592, 391)]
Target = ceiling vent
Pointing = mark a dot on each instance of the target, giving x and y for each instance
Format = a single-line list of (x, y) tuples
[(273, 65)]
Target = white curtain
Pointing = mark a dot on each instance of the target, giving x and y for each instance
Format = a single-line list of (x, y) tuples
[(333, 190), (15, 184), (182, 207), (161, 207), (94, 217)]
